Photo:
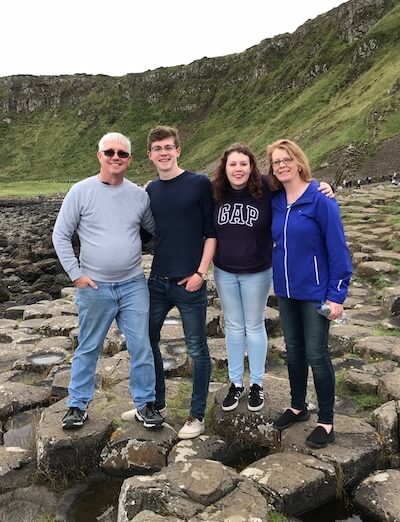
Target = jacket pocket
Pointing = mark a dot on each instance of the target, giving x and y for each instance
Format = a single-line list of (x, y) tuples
[(316, 271)]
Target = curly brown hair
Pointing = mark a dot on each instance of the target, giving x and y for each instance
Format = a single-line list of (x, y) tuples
[(220, 181)]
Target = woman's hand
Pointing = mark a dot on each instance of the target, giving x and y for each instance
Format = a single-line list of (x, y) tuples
[(336, 310)]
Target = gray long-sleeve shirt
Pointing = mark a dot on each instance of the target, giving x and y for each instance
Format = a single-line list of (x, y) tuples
[(107, 220)]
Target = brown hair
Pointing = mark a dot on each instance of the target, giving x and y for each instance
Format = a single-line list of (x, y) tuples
[(294, 152), (220, 181), (162, 132)]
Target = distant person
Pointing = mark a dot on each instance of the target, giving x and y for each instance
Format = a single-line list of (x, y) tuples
[(311, 266), (184, 245), (107, 212), (243, 267), (394, 179)]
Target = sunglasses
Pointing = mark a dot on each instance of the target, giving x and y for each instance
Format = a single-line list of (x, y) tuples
[(120, 153)]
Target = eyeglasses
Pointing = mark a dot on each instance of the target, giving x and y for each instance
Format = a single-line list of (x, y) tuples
[(120, 153), (285, 161), (167, 148)]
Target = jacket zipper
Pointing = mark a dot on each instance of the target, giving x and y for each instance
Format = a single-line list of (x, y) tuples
[(285, 262)]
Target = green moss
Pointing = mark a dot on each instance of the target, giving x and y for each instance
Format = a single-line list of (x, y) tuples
[(365, 401), (382, 331), (274, 516)]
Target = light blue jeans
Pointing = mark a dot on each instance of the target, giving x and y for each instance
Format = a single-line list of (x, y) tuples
[(243, 300), (128, 304)]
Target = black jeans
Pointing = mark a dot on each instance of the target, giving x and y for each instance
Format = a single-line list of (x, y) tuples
[(306, 337)]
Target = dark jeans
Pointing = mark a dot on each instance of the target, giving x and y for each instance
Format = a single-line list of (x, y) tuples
[(165, 293), (306, 337)]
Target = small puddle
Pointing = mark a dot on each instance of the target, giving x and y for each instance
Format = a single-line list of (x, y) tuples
[(20, 430), (45, 359), (101, 495)]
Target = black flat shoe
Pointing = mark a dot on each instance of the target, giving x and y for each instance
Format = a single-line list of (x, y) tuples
[(288, 418), (320, 438)]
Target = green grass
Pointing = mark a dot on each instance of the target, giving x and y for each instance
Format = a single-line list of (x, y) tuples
[(33, 188), (378, 332), (365, 401), (274, 516), (318, 90), (219, 374)]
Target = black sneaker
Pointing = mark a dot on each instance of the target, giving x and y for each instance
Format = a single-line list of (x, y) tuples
[(289, 417), (320, 438), (150, 416), (231, 401), (256, 398), (74, 418)]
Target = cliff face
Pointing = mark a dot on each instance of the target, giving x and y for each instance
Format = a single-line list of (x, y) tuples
[(330, 83)]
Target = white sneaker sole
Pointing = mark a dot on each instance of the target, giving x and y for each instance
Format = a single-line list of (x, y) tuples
[(139, 418), (255, 408), (130, 415), (190, 435), (235, 405)]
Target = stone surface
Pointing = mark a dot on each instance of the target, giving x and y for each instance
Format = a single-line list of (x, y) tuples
[(69, 453), (203, 447), (389, 386), (387, 424), (134, 449), (292, 482), (356, 450), (27, 504), (189, 491), (378, 346), (379, 495)]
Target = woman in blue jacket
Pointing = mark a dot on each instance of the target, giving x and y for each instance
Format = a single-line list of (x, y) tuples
[(311, 266)]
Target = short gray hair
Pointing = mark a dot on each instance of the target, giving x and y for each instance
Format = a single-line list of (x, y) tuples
[(115, 136)]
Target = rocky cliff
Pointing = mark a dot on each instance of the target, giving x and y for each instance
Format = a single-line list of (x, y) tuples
[(332, 83)]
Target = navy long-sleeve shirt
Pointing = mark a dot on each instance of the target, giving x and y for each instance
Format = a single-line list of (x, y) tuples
[(182, 208)]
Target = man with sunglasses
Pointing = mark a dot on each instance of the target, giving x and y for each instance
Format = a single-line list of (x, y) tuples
[(107, 212), (184, 245)]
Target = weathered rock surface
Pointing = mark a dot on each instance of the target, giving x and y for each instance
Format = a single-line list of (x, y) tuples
[(190, 490), (379, 495), (132, 449), (355, 453), (294, 492), (33, 386)]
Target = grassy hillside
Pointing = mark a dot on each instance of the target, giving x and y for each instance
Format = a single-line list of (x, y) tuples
[(334, 82)]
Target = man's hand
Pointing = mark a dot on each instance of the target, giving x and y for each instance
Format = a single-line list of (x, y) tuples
[(84, 282), (326, 189), (192, 283)]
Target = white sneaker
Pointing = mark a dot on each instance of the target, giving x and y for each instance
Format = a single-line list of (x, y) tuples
[(130, 415), (192, 428)]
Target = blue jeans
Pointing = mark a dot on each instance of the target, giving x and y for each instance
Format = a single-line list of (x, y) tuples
[(243, 300), (128, 304), (165, 293), (306, 337)]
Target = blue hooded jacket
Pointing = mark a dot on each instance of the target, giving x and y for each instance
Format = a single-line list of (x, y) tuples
[(311, 260)]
